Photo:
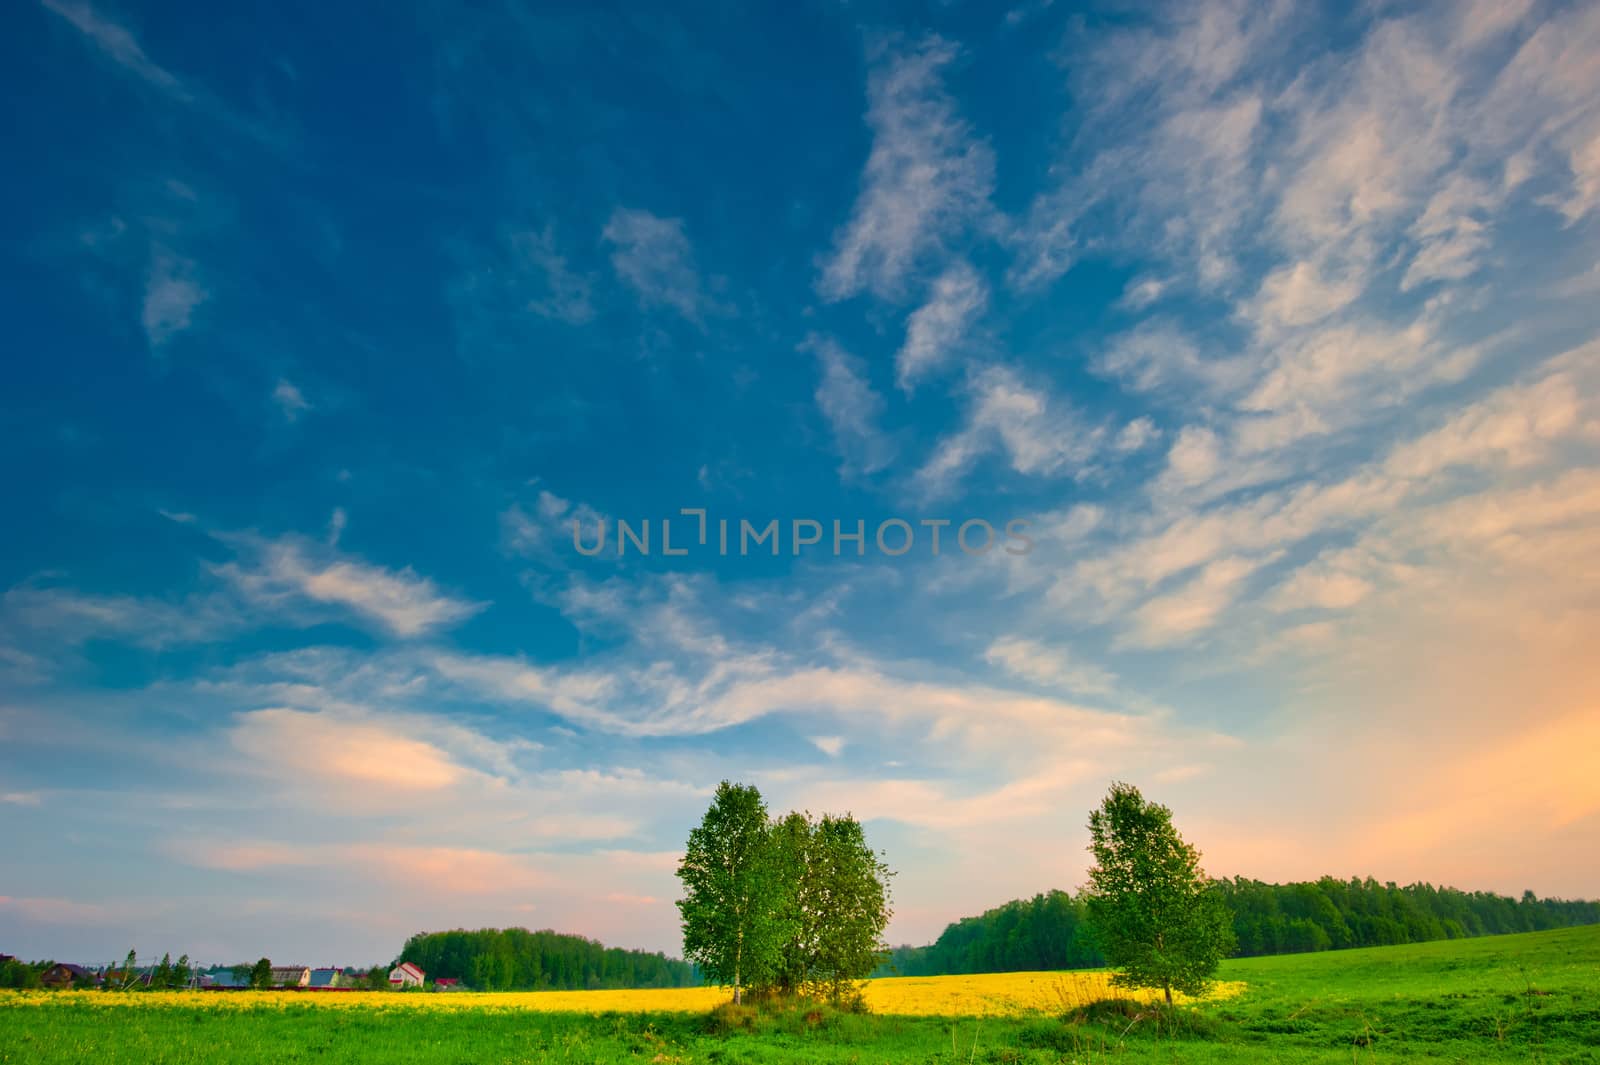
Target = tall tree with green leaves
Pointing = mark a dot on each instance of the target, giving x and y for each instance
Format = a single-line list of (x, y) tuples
[(261, 973), (1154, 912), (734, 909), (794, 843), (838, 904), (847, 893)]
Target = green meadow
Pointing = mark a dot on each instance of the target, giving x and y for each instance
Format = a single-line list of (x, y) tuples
[(1517, 998)]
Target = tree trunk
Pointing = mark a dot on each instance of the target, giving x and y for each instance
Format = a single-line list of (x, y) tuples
[(1168, 989)]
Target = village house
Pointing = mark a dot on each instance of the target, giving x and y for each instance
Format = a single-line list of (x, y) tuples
[(447, 983), (406, 975), (63, 975), (291, 976), (327, 978)]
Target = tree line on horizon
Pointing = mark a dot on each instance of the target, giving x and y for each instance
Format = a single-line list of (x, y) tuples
[(515, 959), (1052, 930)]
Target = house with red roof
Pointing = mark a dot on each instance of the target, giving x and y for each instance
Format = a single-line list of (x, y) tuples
[(406, 975)]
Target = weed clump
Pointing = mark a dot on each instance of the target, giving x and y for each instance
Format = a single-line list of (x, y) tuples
[(731, 1017), (1123, 1017)]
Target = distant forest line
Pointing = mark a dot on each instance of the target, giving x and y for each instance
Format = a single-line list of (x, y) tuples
[(1051, 931), (514, 959)]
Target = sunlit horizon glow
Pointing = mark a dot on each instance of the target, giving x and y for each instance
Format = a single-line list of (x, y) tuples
[(1275, 325)]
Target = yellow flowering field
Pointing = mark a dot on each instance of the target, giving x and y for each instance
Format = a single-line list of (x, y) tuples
[(979, 995)]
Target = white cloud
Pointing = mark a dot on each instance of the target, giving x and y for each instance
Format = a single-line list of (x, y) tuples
[(654, 256), (546, 528), (1514, 426), (291, 570), (1300, 295), (1366, 174), (1195, 456), (926, 178), (170, 296), (940, 325), (70, 617), (566, 295), (323, 748), (289, 399), (1141, 292), (1177, 131), (285, 580), (832, 746), (117, 42), (1331, 375), (1501, 518), (1157, 356), (1450, 234), (1584, 161), (1050, 666), (1524, 426), (1332, 582), (1178, 615), (1136, 435), (697, 696), (1039, 434), (851, 408), (468, 870)]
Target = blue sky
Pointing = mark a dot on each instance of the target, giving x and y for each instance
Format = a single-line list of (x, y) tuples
[(1275, 325)]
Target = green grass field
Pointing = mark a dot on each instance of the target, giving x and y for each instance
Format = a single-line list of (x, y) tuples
[(1525, 998)]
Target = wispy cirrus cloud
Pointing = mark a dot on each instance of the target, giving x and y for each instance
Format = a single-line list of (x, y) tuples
[(291, 571), (1039, 434), (545, 527), (172, 291), (1523, 427), (120, 44), (117, 43), (1053, 666), (289, 399), (69, 616), (937, 328), (567, 293), (927, 177), (852, 409), (290, 579), (654, 257), (1370, 184)]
